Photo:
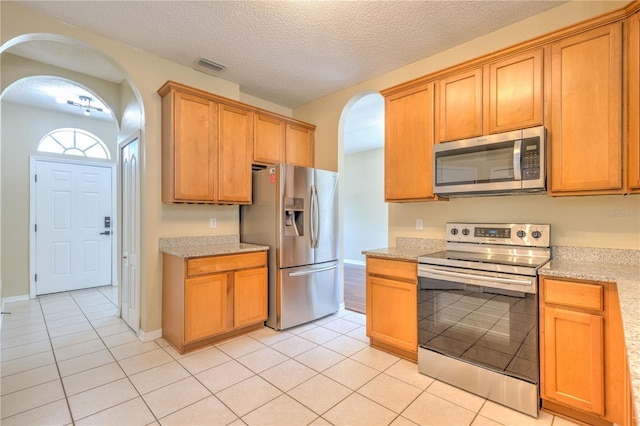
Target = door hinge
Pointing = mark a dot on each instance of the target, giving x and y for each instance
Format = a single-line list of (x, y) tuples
[(36, 277), (35, 178), (35, 228)]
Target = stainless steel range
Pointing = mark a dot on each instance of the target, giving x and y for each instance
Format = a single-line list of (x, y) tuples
[(478, 311)]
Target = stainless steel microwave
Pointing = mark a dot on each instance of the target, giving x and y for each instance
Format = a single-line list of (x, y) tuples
[(503, 163)]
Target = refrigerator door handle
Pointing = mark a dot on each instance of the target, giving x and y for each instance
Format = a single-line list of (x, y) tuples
[(316, 216), (313, 211), (312, 271)]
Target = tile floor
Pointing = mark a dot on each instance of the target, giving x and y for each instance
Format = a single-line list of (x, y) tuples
[(67, 359)]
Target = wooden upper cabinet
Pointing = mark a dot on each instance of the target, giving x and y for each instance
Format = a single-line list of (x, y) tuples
[(633, 103), (515, 92), (189, 148), (459, 106), (586, 113), (234, 167), (268, 139), (209, 143), (408, 147), (300, 145)]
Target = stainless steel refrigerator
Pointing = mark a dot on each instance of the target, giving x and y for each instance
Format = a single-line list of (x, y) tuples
[(295, 212)]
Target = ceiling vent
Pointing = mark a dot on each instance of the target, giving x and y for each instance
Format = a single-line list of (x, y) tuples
[(208, 66)]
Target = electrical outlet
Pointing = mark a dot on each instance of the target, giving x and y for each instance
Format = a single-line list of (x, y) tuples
[(419, 224), (212, 222)]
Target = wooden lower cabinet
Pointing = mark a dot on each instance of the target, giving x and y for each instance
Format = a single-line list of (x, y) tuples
[(582, 352), (200, 295), (207, 299), (392, 317)]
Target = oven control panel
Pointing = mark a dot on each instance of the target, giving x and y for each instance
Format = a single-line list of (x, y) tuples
[(517, 234)]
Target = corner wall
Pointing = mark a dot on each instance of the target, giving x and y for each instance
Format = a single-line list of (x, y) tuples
[(591, 221)]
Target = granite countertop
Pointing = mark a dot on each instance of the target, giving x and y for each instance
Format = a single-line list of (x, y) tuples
[(584, 263), (397, 253), (627, 279), (207, 246)]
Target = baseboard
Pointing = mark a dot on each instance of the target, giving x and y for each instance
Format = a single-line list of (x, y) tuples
[(12, 299), (355, 262), (149, 335)]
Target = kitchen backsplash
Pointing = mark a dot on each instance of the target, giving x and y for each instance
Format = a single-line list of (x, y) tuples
[(596, 255), (198, 241), (429, 244)]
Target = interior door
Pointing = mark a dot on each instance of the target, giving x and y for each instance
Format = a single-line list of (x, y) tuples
[(130, 202), (73, 244)]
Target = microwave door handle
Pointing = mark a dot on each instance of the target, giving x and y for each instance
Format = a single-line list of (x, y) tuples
[(517, 163)]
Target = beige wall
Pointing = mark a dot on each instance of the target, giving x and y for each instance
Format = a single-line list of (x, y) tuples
[(146, 73), (365, 212), (604, 221), (28, 125)]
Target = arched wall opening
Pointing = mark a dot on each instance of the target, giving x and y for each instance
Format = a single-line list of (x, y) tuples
[(27, 58), (364, 213)]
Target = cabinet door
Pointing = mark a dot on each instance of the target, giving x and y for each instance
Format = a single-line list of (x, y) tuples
[(268, 139), (572, 359), (633, 99), (205, 306), (235, 137), (249, 297), (194, 150), (408, 148), (459, 106), (299, 145), (515, 92), (392, 312), (586, 112)]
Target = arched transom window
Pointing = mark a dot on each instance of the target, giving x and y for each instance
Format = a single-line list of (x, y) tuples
[(74, 142)]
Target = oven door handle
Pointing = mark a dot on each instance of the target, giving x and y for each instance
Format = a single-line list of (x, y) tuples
[(435, 272)]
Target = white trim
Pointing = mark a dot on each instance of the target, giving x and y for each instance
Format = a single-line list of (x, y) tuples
[(12, 299), (150, 335), (137, 135), (355, 262), (33, 159)]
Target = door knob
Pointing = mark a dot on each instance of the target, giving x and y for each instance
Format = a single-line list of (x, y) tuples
[(105, 233)]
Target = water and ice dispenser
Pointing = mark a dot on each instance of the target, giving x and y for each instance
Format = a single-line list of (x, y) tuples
[(293, 217)]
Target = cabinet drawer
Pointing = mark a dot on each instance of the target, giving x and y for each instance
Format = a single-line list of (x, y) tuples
[(213, 264), (392, 268), (573, 294)]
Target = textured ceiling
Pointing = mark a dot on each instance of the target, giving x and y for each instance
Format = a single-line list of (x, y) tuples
[(287, 52), (293, 52)]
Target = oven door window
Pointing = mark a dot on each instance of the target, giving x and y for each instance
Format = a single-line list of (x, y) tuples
[(488, 327), (478, 164)]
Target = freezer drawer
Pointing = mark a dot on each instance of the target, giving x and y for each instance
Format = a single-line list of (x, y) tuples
[(306, 293)]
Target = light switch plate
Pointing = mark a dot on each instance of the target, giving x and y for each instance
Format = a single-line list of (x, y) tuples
[(212, 222), (419, 224)]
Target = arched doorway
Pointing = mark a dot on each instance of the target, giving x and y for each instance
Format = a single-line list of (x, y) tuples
[(32, 56), (365, 217)]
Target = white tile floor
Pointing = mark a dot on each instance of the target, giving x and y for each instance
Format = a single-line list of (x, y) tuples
[(67, 359)]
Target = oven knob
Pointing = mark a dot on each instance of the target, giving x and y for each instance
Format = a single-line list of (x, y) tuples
[(454, 231), (536, 234), (521, 234), (465, 231)]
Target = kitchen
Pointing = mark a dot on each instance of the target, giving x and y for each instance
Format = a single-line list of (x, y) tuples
[(592, 221)]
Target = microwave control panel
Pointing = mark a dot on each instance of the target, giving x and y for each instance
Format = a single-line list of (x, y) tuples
[(531, 158)]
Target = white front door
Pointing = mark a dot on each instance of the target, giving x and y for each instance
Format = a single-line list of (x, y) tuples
[(130, 202), (73, 244)]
